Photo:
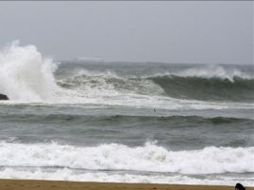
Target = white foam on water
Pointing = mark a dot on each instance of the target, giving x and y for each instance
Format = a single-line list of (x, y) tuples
[(150, 157), (70, 175), (173, 166), (27, 77)]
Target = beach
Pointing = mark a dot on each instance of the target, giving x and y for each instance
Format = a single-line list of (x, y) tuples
[(64, 185)]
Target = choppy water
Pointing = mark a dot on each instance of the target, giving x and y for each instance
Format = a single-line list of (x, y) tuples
[(125, 122)]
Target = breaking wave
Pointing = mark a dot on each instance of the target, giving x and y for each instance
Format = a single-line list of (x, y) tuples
[(114, 157), (28, 77), (170, 85)]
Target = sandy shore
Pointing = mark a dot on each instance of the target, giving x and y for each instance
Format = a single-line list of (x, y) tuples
[(63, 185)]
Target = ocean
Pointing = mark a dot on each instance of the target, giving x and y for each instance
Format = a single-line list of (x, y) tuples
[(82, 120)]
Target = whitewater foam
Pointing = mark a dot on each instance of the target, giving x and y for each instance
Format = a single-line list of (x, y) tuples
[(150, 157), (120, 163), (70, 175)]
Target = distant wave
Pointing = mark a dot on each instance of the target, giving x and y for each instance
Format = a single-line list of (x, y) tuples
[(202, 88), (26, 76), (214, 71), (179, 87)]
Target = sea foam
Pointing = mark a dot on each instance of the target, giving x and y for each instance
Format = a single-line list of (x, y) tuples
[(150, 158)]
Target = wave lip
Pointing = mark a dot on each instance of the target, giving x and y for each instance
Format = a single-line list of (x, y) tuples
[(215, 71)]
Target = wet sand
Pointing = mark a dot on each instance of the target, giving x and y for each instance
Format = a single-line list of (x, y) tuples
[(64, 185)]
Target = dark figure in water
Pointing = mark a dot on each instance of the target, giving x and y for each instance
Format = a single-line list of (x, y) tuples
[(3, 97), (239, 186)]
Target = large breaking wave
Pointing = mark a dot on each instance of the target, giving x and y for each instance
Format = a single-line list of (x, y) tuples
[(28, 77)]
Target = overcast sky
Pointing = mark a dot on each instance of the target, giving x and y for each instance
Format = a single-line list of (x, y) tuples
[(186, 32)]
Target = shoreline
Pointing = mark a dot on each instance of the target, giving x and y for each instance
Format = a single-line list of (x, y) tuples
[(17, 184)]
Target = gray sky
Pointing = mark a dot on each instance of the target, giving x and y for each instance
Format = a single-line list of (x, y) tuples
[(189, 32)]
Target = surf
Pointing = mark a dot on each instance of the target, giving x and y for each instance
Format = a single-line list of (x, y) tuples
[(149, 157)]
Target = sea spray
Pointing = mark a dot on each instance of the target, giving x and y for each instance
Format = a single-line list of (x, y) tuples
[(25, 75)]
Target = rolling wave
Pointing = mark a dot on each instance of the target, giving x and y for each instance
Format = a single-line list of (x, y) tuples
[(198, 88), (179, 87), (150, 157)]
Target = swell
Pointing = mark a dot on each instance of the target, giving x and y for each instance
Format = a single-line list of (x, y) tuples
[(177, 132), (107, 120)]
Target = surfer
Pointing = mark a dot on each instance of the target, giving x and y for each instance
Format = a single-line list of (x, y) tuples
[(239, 186)]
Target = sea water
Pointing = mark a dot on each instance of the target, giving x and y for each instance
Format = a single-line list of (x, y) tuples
[(82, 120)]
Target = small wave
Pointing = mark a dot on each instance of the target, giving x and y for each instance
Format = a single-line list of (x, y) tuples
[(100, 176)]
